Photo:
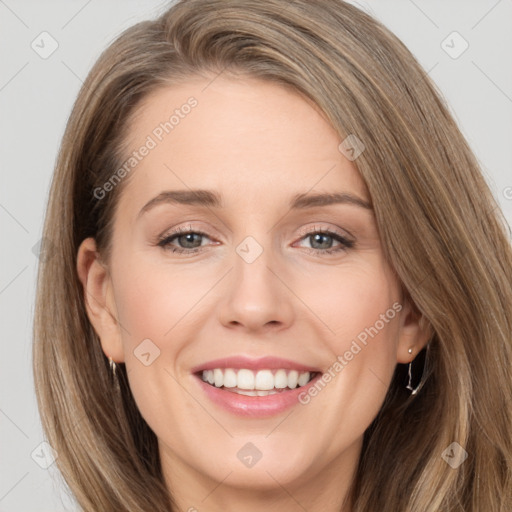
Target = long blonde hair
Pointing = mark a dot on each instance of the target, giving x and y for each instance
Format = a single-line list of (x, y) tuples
[(440, 229)]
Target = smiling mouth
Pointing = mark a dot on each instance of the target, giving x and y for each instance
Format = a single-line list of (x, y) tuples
[(256, 383)]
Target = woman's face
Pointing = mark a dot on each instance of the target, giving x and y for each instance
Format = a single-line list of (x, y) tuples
[(252, 294)]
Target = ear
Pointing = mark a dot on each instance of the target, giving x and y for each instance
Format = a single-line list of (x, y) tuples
[(99, 299), (415, 332)]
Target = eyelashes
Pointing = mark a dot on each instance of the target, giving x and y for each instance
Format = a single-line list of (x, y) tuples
[(315, 236), (179, 234)]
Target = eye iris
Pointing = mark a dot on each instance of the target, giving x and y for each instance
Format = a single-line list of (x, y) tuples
[(318, 237), (185, 239)]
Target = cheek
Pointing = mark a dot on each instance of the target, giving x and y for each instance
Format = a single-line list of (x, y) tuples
[(361, 307), (150, 301), (156, 308), (356, 302)]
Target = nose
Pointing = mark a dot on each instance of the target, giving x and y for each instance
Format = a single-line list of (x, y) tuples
[(257, 298)]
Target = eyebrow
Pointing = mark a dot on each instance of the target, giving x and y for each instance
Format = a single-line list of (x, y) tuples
[(210, 199)]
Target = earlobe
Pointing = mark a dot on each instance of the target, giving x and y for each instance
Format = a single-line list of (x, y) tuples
[(415, 332), (99, 299)]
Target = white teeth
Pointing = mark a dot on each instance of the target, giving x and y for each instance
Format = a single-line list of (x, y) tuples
[(247, 393), (230, 378), (260, 383), (280, 379), (245, 379), (264, 380), (218, 377), (254, 392), (293, 376), (303, 379), (265, 393)]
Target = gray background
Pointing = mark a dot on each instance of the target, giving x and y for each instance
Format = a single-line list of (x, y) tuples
[(36, 96)]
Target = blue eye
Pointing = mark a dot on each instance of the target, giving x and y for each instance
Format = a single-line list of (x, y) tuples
[(186, 237), (325, 237), (190, 241)]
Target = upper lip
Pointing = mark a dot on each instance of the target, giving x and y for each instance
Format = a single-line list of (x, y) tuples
[(261, 363)]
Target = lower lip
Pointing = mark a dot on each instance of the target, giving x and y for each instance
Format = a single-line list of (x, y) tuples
[(255, 406)]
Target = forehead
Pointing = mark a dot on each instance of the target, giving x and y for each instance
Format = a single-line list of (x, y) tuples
[(250, 139)]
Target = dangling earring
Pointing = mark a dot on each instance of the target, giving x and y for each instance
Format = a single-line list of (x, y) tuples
[(409, 384), (113, 366)]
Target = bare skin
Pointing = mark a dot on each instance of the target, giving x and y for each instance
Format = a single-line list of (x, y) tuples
[(257, 145)]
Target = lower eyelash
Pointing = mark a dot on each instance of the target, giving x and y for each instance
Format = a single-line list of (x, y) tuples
[(165, 241), (345, 243)]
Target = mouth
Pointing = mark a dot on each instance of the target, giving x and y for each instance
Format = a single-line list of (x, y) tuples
[(264, 382), (255, 387)]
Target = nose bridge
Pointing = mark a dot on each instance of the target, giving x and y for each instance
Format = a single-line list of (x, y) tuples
[(256, 297), (252, 277)]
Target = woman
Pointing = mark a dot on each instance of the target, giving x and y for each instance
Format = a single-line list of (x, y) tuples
[(283, 282)]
